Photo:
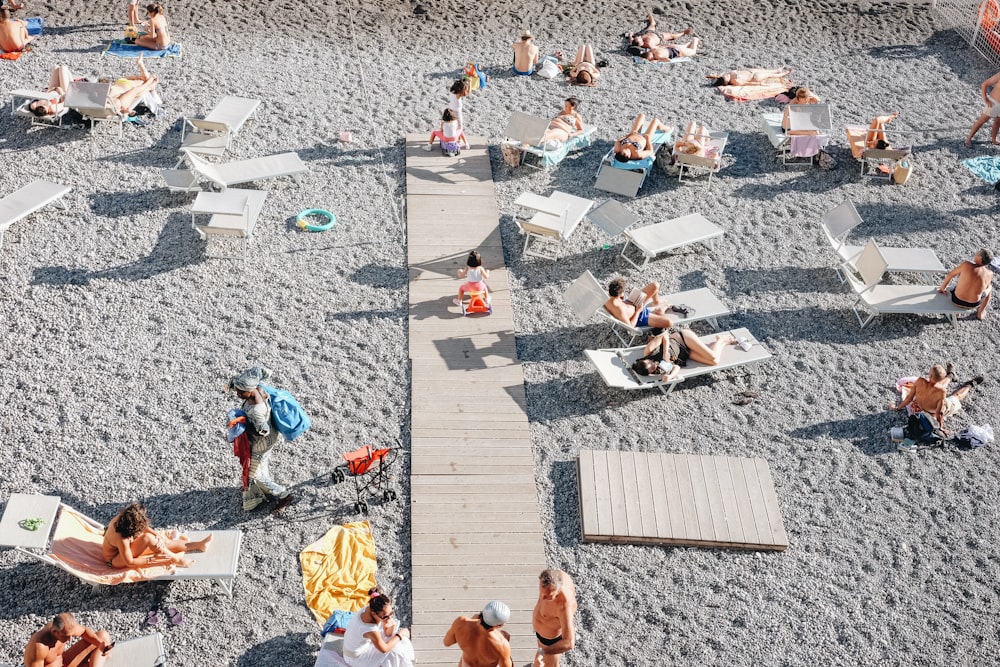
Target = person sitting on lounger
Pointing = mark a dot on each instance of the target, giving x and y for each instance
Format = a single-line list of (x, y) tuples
[(130, 542), (931, 395), (48, 647), (525, 55), (667, 352), (666, 53), (565, 126), (637, 144), (156, 37), (974, 286), (648, 37), (645, 308), (13, 32), (751, 77), (802, 96), (584, 71), (126, 91), (59, 78)]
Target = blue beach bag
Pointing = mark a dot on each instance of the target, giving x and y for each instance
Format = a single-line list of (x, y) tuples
[(289, 417)]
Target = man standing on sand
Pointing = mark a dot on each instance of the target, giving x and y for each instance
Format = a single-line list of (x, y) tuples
[(47, 647), (931, 395), (992, 110), (482, 641), (525, 55), (553, 617), (974, 286)]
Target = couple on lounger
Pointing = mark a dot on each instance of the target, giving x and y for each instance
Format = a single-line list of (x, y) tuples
[(122, 96), (653, 46)]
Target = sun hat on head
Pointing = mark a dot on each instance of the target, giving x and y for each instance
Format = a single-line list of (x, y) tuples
[(526, 34), (495, 613)]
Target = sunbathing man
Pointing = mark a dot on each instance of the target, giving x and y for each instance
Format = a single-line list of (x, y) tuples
[(552, 618), (59, 78), (662, 54), (126, 91), (992, 111), (482, 641), (648, 37), (565, 126), (13, 32), (676, 347), (750, 77), (974, 287), (525, 55), (637, 144), (47, 647), (645, 310), (931, 395), (584, 71), (130, 542)]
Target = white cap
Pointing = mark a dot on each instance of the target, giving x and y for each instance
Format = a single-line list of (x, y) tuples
[(495, 613)]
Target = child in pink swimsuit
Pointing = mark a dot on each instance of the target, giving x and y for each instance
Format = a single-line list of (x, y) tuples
[(475, 278)]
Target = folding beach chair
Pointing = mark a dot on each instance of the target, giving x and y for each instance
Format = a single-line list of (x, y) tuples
[(91, 101), (626, 178), (710, 163), (226, 174), (555, 219), (20, 101), (815, 119), (25, 201), (875, 162), (370, 469), (524, 132)]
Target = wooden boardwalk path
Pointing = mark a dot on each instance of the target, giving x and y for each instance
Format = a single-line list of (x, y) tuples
[(475, 529)]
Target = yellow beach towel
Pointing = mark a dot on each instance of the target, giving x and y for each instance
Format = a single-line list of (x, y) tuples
[(339, 569)]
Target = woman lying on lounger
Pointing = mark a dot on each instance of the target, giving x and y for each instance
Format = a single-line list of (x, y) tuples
[(694, 141), (637, 145), (662, 54), (648, 37), (126, 91), (129, 542), (750, 77), (565, 126), (667, 352), (876, 131), (59, 78), (584, 71)]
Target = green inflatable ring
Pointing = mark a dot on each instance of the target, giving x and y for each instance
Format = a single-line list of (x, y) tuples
[(300, 220)]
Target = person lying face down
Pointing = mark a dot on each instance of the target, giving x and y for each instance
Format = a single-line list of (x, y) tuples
[(637, 144), (750, 77)]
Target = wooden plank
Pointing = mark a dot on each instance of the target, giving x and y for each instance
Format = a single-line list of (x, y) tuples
[(699, 493), (602, 491), (658, 494), (757, 508), (470, 502), (633, 516), (743, 502), (675, 507), (470, 530), (588, 497), (778, 534), (619, 519), (432, 544), (467, 587), (458, 570), (686, 490), (493, 558), (727, 494), (644, 493), (714, 492)]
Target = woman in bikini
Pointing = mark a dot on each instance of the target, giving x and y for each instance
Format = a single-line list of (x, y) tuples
[(750, 77), (584, 71), (129, 542), (59, 78), (126, 91), (637, 144), (565, 126), (676, 347), (156, 37)]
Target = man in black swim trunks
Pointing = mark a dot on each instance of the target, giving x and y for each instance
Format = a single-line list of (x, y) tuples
[(552, 618), (974, 286)]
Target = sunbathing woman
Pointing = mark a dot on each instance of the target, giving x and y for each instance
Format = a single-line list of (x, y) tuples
[(637, 145), (751, 77), (59, 78), (584, 71), (126, 91), (802, 96), (676, 347), (13, 32), (568, 124), (876, 131), (647, 38), (694, 141), (667, 53), (156, 37), (129, 542)]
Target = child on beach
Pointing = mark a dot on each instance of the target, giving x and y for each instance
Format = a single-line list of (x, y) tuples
[(450, 135), (132, 12), (475, 278)]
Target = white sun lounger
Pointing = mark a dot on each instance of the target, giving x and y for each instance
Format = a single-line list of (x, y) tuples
[(83, 537), (525, 132), (815, 118), (670, 235), (906, 299), (555, 219), (213, 134), (872, 159), (838, 222), (586, 297), (145, 651), (613, 365), (227, 174), (697, 164), (625, 178), (32, 197), (231, 213), (20, 100), (91, 100)]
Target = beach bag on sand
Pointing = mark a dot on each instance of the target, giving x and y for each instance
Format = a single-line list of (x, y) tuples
[(548, 70), (923, 430), (511, 155), (975, 436), (289, 417)]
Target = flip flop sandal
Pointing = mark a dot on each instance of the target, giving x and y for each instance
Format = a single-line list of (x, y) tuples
[(174, 617), (750, 394), (152, 617), (742, 400)]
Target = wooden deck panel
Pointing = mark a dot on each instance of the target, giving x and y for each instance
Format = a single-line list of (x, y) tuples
[(682, 499), (475, 532)]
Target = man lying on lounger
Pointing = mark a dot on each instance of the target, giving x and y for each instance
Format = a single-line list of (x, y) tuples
[(48, 646), (974, 286), (646, 309)]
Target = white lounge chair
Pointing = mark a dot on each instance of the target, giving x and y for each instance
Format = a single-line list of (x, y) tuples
[(875, 162), (227, 174), (145, 651), (906, 299), (213, 134), (554, 220), (586, 297), (91, 101), (814, 118), (614, 365), (838, 222), (710, 163), (231, 213), (524, 132), (72, 542), (20, 100), (625, 178), (771, 124), (32, 197)]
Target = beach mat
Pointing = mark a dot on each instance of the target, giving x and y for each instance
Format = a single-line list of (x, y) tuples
[(985, 167), (124, 50), (339, 569), (35, 25)]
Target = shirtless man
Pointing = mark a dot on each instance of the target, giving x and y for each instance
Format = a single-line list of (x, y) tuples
[(647, 38), (553, 617), (669, 52), (992, 110), (931, 395), (525, 55), (973, 289), (47, 647), (482, 641), (648, 312), (13, 32)]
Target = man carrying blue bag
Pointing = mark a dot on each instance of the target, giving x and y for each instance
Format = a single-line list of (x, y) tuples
[(269, 412)]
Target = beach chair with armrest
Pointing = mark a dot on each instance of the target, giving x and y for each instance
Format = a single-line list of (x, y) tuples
[(816, 121), (213, 134), (73, 542), (524, 132), (614, 365), (710, 163), (878, 298), (875, 162), (553, 221), (25, 201), (20, 101), (586, 297), (838, 222), (626, 178), (226, 174)]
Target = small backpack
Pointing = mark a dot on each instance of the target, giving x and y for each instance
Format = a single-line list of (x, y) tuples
[(921, 429), (289, 417)]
